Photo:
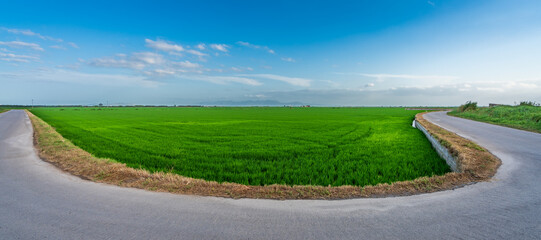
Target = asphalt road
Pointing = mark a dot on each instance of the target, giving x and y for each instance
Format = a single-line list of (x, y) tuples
[(38, 201)]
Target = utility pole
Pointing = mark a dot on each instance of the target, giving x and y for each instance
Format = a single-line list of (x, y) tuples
[(32, 103)]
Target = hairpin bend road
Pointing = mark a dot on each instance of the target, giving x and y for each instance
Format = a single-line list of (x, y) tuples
[(39, 201)]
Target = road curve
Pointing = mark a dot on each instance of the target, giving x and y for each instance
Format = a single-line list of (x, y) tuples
[(38, 201)]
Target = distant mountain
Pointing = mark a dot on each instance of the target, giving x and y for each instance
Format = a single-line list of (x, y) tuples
[(251, 103)]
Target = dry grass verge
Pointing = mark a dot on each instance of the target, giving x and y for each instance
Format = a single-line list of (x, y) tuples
[(473, 160), (477, 164)]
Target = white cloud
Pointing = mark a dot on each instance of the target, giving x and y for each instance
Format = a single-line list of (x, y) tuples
[(443, 95), (201, 46), (120, 62), (369, 85), (176, 54), (528, 85), (247, 44), (14, 60), (162, 72), (9, 57), (431, 3), (220, 47), (225, 79), (147, 63), (490, 89), (58, 47), (187, 64), (68, 76), (176, 49), (241, 69), (163, 45), (148, 57), (73, 45), (74, 66), (19, 44), (406, 76), (288, 59), (197, 53), (28, 32), (303, 82)]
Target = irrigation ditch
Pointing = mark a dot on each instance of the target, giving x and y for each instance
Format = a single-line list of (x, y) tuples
[(472, 164)]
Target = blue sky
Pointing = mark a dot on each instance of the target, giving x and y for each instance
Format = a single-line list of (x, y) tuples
[(345, 53)]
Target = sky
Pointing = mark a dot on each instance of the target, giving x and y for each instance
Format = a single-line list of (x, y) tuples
[(322, 53)]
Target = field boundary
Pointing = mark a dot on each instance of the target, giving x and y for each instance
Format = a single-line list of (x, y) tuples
[(476, 164), (496, 123), (440, 149)]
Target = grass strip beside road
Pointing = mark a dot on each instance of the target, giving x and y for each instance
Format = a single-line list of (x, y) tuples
[(476, 163), (520, 117)]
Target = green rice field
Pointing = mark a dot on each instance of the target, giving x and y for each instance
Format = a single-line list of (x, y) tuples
[(256, 145)]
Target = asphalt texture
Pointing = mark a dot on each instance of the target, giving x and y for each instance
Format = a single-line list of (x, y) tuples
[(38, 201)]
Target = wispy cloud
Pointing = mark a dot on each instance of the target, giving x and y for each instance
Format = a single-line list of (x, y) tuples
[(19, 44), (69, 76), (225, 79), (302, 82), (162, 45), (176, 49), (220, 47), (403, 76), (28, 32), (10, 57), (431, 3), (288, 59), (186, 64), (505, 92), (58, 47), (148, 57), (73, 45), (159, 72), (137, 60), (201, 46), (247, 44), (147, 63), (109, 62), (197, 53), (406, 76), (241, 69)]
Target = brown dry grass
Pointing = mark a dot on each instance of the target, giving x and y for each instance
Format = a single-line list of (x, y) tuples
[(472, 159), (477, 164)]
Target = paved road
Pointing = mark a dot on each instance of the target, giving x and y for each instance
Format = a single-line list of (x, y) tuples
[(37, 201)]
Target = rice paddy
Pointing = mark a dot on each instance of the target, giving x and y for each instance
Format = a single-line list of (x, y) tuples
[(256, 145)]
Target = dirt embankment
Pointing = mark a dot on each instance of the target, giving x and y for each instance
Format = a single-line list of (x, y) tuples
[(475, 163)]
